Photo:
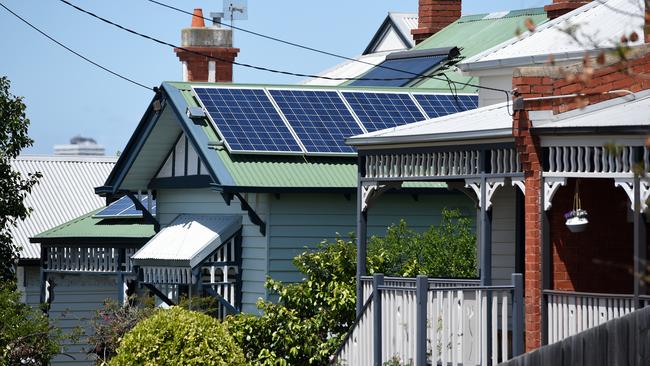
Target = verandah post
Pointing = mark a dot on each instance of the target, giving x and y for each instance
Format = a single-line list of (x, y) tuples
[(377, 280), (421, 294), (362, 229), (517, 314)]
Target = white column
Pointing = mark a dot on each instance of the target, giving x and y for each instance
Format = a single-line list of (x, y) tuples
[(212, 71), (185, 73)]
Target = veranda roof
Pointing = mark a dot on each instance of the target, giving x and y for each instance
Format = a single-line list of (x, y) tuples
[(188, 240), (493, 121), (629, 111)]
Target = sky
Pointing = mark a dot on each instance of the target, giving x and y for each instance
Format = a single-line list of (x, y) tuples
[(65, 96)]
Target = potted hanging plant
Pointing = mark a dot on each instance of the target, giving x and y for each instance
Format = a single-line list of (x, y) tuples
[(576, 219)]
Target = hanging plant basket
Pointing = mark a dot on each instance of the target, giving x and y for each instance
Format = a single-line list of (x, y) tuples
[(576, 219), (577, 224)]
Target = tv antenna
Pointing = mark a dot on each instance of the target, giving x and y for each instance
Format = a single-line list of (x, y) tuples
[(235, 10)]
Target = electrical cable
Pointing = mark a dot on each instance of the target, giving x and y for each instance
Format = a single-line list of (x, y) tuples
[(261, 68), (75, 52)]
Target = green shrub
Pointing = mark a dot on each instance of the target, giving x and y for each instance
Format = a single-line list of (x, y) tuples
[(312, 317), (178, 337), (26, 337), (444, 250)]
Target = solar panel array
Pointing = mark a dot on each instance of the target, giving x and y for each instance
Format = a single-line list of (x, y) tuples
[(321, 119), (438, 105), (125, 208), (314, 122), (390, 69)]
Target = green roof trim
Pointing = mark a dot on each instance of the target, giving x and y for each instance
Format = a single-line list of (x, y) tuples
[(87, 227)]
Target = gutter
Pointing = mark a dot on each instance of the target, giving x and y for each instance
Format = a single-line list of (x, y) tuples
[(524, 60), (445, 137)]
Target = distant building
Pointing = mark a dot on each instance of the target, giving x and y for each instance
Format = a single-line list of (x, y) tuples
[(80, 146)]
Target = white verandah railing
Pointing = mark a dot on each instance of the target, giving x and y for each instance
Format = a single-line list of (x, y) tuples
[(88, 259), (569, 313), (416, 320)]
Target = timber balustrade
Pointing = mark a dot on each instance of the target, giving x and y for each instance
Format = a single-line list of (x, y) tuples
[(436, 321), (570, 313), (88, 259)]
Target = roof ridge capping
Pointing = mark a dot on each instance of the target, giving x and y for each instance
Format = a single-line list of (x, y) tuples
[(501, 14), (69, 158)]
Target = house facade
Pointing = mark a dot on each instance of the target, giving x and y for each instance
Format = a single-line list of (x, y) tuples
[(573, 139)]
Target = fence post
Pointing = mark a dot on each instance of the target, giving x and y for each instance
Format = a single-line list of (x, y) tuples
[(377, 280), (518, 314), (422, 293)]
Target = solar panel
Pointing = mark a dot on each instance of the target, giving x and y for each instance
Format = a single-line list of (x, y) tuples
[(124, 208), (247, 120), (438, 105), (383, 110), (390, 69), (320, 119)]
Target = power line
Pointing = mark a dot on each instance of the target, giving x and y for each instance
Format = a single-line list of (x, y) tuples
[(267, 69), (75, 52)]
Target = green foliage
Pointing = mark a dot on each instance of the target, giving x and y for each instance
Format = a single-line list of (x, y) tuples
[(111, 323), (26, 338), (178, 337), (312, 317), (13, 186), (445, 250)]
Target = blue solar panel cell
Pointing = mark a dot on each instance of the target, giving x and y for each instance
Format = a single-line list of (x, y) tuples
[(124, 208), (391, 69), (320, 119), (383, 110), (438, 105), (247, 120)]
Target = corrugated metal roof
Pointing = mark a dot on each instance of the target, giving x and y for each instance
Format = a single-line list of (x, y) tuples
[(487, 122), (286, 172), (598, 24), (476, 33), (405, 22), (626, 111), (348, 69), (87, 226), (471, 33), (188, 240), (66, 191)]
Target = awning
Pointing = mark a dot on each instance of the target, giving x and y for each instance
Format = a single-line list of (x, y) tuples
[(187, 241)]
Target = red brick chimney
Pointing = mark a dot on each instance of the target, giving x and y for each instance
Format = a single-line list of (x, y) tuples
[(433, 15), (214, 63), (561, 7)]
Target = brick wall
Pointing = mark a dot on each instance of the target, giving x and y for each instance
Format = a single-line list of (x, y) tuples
[(591, 83), (197, 65), (599, 259), (433, 15)]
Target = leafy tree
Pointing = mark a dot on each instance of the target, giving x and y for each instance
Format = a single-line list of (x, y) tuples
[(178, 337), (312, 317), (26, 337), (13, 186)]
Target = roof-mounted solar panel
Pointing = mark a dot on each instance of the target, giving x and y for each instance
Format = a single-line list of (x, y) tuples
[(125, 208), (320, 118), (247, 120), (377, 110), (402, 68), (438, 105)]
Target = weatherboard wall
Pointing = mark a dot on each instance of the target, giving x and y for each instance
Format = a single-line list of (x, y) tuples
[(76, 298), (173, 202), (300, 221)]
